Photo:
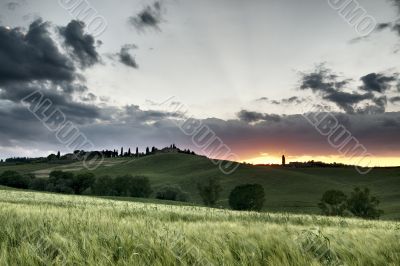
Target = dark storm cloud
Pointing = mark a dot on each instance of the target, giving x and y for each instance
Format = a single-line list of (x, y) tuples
[(377, 82), (32, 55), (125, 57), (31, 62), (331, 87), (77, 112), (82, 45), (251, 117), (149, 18), (129, 126), (346, 101)]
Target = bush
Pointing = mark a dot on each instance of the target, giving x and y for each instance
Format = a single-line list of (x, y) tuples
[(61, 182), (333, 203), (104, 186), (82, 182), (14, 179), (247, 197), (362, 204), (174, 193), (210, 192), (130, 186), (39, 184)]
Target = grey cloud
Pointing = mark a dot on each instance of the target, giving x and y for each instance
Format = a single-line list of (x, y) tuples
[(90, 97), (290, 100), (82, 45), (393, 26), (346, 101), (377, 82), (12, 5), (149, 17), (395, 99), (322, 79), (251, 117), (396, 4), (262, 99), (125, 57), (332, 88)]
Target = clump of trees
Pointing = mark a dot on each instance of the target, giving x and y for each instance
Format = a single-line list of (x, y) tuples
[(333, 203), (249, 197), (14, 179), (172, 192), (83, 183), (360, 203), (210, 191)]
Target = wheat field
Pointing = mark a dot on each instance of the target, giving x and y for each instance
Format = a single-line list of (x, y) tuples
[(51, 229)]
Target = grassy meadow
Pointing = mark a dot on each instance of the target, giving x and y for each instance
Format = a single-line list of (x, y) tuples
[(287, 189), (44, 229)]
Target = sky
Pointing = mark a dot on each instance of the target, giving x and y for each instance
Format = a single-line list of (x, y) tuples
[(246, 69)]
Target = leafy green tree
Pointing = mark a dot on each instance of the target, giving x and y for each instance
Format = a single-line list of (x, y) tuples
[(362, 204), (39, 184), (210, 192), (333, 203), (82, 182), (130, 186), (104, 186), (249, 197), (61, 182), (14, 179)]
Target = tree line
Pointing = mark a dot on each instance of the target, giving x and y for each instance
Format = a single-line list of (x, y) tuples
[(79, 154), (80, 184), (359, 203)]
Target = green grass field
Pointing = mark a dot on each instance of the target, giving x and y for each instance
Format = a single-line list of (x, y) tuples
[(287, 190), (50, 229)]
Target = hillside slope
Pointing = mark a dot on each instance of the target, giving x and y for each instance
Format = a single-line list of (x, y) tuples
[(287, 189), (291, 190)]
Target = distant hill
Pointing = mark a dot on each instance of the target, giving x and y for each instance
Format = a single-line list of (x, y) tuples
[(295, 190)]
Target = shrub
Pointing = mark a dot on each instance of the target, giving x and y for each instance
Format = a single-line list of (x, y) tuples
[(170, 192), (130, 186), (39, 184), (14, 179), (247, 197), (104, 186), (82, 182), (210, 192), (362, 204), (61, 182), (333, 203)]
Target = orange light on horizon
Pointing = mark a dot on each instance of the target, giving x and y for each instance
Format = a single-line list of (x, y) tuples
[(378, 161)]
